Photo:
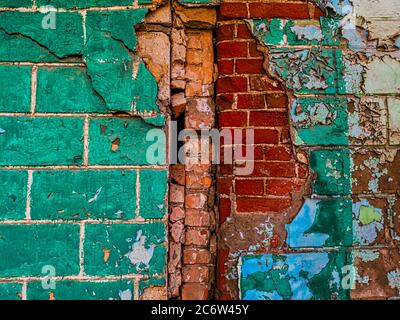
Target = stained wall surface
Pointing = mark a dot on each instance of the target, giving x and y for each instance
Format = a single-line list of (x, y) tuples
[(318, 81), (94, 205)]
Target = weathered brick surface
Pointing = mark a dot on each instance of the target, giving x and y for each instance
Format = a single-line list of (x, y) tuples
[(328, 181), (79, 195), (79, 101)]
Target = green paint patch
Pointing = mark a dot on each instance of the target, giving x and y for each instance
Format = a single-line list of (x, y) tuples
[(332, 169), (26, 249), (320, 121), (306, 71), (15, 3), (120, 142), (66, 90), (10, 291), (121, 78), (70, 4), (22, 41), (83, 195), (15, 88), (153, 189), (73, 290), (295, 32), (335, 219), (40, 141), (13, 194), (121, 249)]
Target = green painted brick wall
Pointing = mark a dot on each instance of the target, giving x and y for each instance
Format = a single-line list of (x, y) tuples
[(41, 141), (67, 90), (13, 192), (78, 193), (15, 95), (133, 249), (31, 247), (74, 290)]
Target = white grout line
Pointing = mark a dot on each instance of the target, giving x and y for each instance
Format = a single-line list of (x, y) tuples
[(137, 193), (83, 13), (136, 294), (86, 142), (23, 293), (130, 116), (81, 249), (92, 167), (139, 221), (28, 196), (112, 8), (83, 278), (33, 89)]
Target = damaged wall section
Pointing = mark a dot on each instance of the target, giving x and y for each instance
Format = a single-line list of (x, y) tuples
[(81, 201), (323, 199)]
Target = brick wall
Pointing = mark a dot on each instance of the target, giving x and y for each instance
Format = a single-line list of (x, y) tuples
[(282, 66), (80, 201), (85, 89)]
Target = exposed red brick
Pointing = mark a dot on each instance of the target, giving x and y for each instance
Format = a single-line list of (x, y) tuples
[(224, 101), (224, 209), (277, 100), (268, 119), (196, 274), (232, 85), (281, 187), (274, 169), (264, 83), (195, 291), (197, 237), (251, 101), (249, 187), (266, 136), (232, 10), (278, 153), (226, 66), (197, 218), (264, 205), (196, 256), (233, 119), (243, 32), (279, 10), (226, 32), (232, 49), (248, 66)]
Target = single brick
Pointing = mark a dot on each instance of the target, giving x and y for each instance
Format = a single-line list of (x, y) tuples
[(120, 249), (73, 290), (15, 3), (66, 90), (332, 169), (10, 291), (26, 249), (15, 88), (153, 189), (320, 121), (13, 194), (123, 142), (69, 4), (25, 31), (40, 141), (83, 195), (262, 205)]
